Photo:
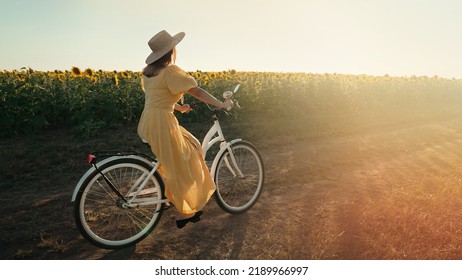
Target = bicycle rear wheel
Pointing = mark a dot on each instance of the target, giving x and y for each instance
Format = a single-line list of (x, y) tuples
[(236, 194), (106, 220)]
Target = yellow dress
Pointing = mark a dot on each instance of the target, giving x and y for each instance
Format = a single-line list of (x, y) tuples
[(189, 184)]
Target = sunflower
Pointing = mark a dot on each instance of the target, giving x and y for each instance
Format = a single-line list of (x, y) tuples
[(76, 71), (125, 75), (89, 72)]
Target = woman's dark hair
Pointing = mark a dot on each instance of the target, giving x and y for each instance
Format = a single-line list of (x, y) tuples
[(153, 69)]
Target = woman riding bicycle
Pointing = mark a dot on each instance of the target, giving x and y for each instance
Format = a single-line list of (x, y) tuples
[(189, 184)]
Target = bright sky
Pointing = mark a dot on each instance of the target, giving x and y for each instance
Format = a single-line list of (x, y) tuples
[(377, 37)]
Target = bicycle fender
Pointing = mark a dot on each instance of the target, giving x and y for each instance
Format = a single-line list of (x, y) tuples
[(91, 169), (217, 157)]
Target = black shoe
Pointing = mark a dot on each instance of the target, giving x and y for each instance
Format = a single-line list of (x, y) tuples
[(194, 219)]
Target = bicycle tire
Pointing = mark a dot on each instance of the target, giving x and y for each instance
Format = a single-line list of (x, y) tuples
[(98, 214), (237, 195)]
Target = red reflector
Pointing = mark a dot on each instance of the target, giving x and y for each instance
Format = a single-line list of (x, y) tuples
[(90, 158)]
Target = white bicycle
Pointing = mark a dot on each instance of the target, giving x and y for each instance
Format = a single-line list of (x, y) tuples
[(120, 199)]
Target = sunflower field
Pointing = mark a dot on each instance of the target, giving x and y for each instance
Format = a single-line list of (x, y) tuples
[(88, 101)]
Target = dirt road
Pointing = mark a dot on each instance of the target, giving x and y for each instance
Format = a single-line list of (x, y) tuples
[(386, 192)]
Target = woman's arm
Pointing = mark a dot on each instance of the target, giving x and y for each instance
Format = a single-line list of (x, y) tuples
[(206, 97), (185, 108)]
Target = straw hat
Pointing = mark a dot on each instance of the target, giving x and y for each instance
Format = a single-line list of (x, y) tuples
[(161, 44)]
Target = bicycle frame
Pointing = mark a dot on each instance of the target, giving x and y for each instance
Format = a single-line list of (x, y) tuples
[(213, 136), (209, 141)]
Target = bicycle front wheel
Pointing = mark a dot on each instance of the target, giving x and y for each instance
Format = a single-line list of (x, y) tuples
[(239, 181), (111, 222)]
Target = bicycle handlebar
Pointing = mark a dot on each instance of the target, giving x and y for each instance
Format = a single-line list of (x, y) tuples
[(228, 95)]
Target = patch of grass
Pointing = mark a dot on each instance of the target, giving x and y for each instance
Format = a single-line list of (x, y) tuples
[(413, 222), (22, 254), (48, 242)]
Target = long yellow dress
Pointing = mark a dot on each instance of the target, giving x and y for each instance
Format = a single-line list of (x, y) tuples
[(189, 184)]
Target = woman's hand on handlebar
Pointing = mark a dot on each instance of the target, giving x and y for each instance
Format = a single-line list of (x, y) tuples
[(185, 108), (227, 104)]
